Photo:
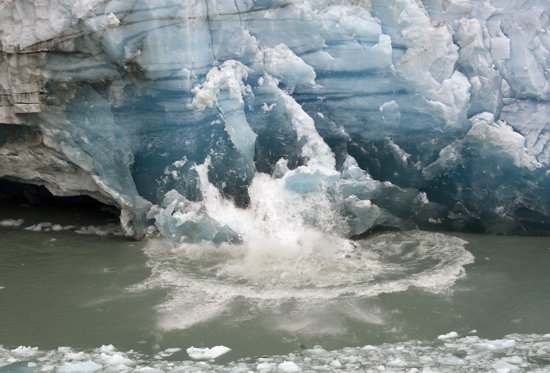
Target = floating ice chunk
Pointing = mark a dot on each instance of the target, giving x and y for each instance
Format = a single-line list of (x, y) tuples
[(503, 366), (11, 222), (497, 344), (516, 360), (39, 227), (101, 230), (79, 367), (449, 335), (115, 359), (107, 348), (398, 363), (369, 348), (24, 351), (207, 353), (167, 352), (81, 355), (148, 370), (288, 367), (450, 360), (265, 367)]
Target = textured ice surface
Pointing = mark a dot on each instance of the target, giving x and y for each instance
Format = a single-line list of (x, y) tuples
[(397, 113), (514, 353)]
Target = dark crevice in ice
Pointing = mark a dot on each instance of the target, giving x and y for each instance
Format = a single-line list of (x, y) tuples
[(14, 194)]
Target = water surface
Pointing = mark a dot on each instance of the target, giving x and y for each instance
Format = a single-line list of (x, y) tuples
[(83, 291)]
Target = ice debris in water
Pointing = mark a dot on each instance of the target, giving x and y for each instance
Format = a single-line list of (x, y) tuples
[(449, 335), (110, 229), (207, 353), (11, 222), (513, 353), (288, 367), (167, 352)]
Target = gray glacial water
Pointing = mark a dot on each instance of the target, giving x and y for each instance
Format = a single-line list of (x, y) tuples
[(63, 288)]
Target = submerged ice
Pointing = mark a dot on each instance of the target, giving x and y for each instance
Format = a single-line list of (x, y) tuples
[(230, 121)]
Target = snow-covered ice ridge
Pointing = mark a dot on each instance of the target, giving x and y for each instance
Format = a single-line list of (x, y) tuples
[(514, 353), (402, 113)]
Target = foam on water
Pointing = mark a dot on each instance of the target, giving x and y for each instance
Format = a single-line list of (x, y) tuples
[(203, 280), (514, 353)]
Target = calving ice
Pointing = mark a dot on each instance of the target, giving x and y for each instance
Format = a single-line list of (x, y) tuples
[(292, 157), (232, 121)]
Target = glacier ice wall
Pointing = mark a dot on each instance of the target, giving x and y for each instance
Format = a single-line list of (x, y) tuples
[(200, 116)]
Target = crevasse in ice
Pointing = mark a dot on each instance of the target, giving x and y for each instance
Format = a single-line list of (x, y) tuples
[(208, 117)]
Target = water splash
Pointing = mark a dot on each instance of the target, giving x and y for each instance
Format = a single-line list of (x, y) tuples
[(293, 244), (204, 280)]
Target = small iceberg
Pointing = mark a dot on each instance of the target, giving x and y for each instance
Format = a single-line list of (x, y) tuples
[(207, 353)]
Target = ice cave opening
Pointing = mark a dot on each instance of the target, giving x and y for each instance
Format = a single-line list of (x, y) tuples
[(35, 208), (24, 194)]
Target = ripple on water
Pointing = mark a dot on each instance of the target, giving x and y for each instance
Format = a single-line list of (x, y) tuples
[(202, 280)]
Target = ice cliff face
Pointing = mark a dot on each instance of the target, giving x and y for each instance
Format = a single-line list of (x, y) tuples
[(343, 115)]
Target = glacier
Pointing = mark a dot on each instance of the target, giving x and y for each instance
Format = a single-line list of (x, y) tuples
[(216, 120)]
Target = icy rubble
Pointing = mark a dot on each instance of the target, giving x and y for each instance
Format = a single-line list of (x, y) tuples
[(437, 108), (110, 229), (515, 353), (11, 222)]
